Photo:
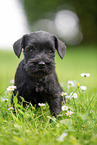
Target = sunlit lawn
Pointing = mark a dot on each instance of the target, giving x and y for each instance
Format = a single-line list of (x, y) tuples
[(32, 126)]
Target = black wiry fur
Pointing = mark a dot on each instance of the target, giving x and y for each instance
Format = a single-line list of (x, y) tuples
[(35, 78)]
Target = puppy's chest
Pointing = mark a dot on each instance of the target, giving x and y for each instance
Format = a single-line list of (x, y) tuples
[(40, 86)]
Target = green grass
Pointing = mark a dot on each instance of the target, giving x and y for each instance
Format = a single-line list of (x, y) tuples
[(33, 126)]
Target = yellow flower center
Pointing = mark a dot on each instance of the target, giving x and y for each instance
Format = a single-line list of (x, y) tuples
[(63, 93), (65, 107), (11, 108), (73, 95), (11, 88), (69, 113)]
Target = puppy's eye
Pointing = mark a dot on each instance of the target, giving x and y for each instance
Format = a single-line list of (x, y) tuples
[(51, 51), (29, 50)]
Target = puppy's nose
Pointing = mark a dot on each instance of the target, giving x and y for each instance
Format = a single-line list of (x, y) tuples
[(41, 64)]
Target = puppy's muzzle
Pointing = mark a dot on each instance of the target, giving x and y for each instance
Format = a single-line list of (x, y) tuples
[(41, 64), (38, 68)]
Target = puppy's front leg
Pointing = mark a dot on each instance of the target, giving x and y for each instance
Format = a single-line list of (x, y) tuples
[(55, 105)]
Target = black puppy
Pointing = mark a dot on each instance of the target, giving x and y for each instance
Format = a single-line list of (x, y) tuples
[(35, 78)]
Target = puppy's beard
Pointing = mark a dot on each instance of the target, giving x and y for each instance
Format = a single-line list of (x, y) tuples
[(35, 71)]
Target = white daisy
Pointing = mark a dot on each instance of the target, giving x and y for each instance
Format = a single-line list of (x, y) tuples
[(11, 88), (83, 88), (64, 108), (73, 95), (4, 99), (63, 94), (62, 136), (10, 108), (85, 75), (41, 104), (69, 113), (70, 83)]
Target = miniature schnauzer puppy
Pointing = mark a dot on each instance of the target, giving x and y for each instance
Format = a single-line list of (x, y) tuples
[(35, 78)]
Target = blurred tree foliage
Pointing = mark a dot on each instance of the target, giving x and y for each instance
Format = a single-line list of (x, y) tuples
[(85, 9)]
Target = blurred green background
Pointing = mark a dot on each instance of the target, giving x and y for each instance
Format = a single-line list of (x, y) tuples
[(74, 22), (47, 9)]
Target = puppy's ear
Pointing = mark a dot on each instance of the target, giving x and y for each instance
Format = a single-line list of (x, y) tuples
[(60, 47), (18, 45)]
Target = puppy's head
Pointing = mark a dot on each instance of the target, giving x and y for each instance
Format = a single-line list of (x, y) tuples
[(39, 52)]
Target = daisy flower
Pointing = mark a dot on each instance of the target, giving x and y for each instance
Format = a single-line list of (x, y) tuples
[(69, 113), (62, 136), (63, 94), (41, 104), (4, 99), (70, 83), (85, 75), (10, 108), (11, 88), (64, 108), (83, 88), (73, 95)]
